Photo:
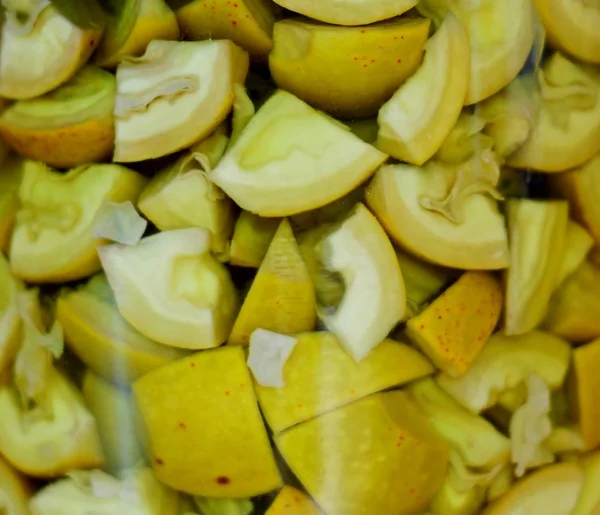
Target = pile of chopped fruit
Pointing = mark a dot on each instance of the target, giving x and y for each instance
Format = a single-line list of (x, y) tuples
[(310, 257)]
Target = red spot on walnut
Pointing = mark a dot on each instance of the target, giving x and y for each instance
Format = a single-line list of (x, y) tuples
[(398, 61), (234, 23), (227, 393), (182, 425), (223, 480), (159, 461)]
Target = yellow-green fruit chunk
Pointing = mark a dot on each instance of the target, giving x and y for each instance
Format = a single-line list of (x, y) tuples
[(176, 94), (49, 441), (100, 336), (581, 187), (453, 329), (414, 123), (172, 289), (445, 214), (181, 195), (347, 71), (15, 490), (552, 490), (10, 321), (464, 140), (393, 462), (571, 26), (349, 12), (583, 382), (504, 363), (477, 442), (69, 126), (319, 364), (510, 115), (281, 298), (113, 410), (578, 243), (574, 309), (290, 501), (220, 448), (129, 31), (41, 49), (537, 232), (588, 501), (567, 130), (422, 281), (53, 238), (11, 175), (291, 158), (374, 298), (248, 23), (501, 35), (329, 213), (252, 236), (135, 492)]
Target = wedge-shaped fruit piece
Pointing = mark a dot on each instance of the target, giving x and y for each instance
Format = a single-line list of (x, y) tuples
[(582, 385), (552, 490), (223, 506), (252, 236), (465, 140), (478, 443), (501, 35), (501, 483), (574, 309), (571, 27), (113, 410), (578, 243), (218, 449), (100, 336), (174, 95), (136, 492), (537, 233), (10, 321), (10, 180), (181, 195), (504, 363), (248, 23), (393, 461), (133, 27), (281, 298), (171, 289), (329, 213), (468, 232), (374, 299), (450, 501), (589, 496), (290, 501), (422, 281), (580, 187), (52, 240), (349, 12), (69, 126), (15, 490), (370, 62), (291, 158), (510, 115), (530, 427), (319, 364), (567, 131), (453, 329), (49, 444), (414, 123), (41, 49)]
